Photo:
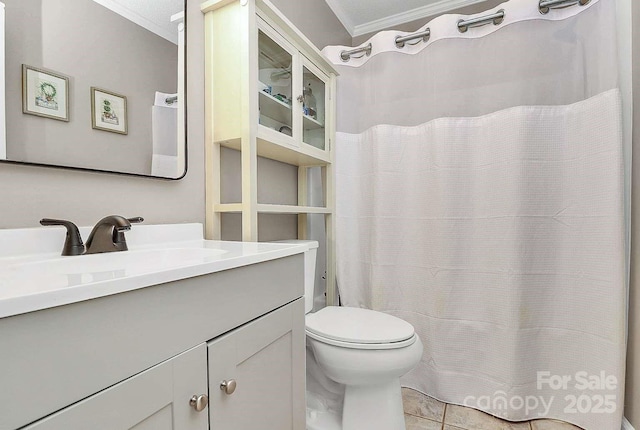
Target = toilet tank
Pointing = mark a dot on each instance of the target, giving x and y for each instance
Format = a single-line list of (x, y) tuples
[(309, 270)]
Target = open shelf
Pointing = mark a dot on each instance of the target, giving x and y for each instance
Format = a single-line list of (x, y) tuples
[(280, 147), (292, 209), (273, 209), (228, 207)]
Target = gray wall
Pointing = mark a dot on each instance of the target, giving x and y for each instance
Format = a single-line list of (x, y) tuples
[(92, 45), (277, 184), (30, 193), (316, 20)]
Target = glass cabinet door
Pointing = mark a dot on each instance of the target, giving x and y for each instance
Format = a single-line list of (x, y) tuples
[(274, 85), (314, 90)]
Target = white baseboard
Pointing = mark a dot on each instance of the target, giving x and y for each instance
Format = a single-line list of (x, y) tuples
[(626, 425)]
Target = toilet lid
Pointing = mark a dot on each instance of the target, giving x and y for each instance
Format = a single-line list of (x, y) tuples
[(356, 325)]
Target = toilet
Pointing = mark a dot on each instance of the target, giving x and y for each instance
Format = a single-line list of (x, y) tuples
[(355, 358)]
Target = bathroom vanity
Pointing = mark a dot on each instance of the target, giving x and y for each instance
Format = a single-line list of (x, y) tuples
[(139, 339)]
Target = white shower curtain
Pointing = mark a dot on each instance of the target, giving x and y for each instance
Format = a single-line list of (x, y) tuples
[(479, 187)]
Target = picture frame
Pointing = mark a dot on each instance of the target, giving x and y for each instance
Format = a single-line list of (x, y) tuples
[(45, 93), (108, 111)]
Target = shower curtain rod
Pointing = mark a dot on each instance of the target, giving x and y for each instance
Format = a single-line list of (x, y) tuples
[(495, 18), (546, 5), (346, 55), (424, 35), (463, 25)]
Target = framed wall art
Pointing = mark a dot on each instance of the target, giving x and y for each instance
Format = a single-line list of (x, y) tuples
[(45, 93), (108, 111)]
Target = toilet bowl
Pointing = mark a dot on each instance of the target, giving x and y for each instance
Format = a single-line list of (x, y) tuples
[(367, 352), (355, 358)]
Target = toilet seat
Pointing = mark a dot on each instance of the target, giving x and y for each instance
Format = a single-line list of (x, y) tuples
[(358, 328)]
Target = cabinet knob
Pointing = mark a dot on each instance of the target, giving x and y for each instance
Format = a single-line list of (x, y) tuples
[(199, 402), (228, 386)]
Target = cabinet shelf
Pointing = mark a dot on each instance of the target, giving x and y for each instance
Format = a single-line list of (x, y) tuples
[(311, 123), (274, 108)]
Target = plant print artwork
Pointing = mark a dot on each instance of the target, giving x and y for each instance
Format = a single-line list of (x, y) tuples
[(108, 114), (108, 111), (46, 95)]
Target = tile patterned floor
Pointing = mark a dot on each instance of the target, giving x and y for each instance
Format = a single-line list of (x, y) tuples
[(425, 413)]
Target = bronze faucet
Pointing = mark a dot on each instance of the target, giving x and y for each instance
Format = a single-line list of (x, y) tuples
[(108, 234)]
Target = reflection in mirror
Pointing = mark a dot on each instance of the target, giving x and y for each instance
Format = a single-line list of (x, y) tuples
[(94, 84)]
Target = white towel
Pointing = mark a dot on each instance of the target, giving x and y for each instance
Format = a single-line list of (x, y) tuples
[(165, 166), (164, 130)]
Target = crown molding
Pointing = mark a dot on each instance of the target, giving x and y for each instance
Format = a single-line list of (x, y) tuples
[(436, 8), (342, 16), (139, 19)]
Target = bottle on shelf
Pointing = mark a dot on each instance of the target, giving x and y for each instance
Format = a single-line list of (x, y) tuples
[(309, 106)]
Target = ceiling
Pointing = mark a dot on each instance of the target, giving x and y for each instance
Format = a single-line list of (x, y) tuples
[(365, 16), (154, 15)]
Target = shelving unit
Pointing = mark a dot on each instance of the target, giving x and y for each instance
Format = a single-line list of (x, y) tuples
[(269, 94)]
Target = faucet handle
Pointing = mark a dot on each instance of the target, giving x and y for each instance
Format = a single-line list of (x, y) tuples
[(73, 243), (108, 234), (118, 233)]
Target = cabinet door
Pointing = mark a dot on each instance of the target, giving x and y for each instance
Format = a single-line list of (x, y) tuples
[(276, 61), (265, 360), (156, 399), (315, 101)]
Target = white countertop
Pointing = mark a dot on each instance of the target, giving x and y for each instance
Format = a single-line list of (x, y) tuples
[(33, 275)]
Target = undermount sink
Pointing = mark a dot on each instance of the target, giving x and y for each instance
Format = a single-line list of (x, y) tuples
[(128, 262)]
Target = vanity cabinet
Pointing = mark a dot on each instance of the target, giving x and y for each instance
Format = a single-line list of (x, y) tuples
[(256, 374), (134, 360), (270, 93), (254, 379), (156, 399)]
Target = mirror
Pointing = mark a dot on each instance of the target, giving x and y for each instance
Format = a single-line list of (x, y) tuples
[(94, 85)]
